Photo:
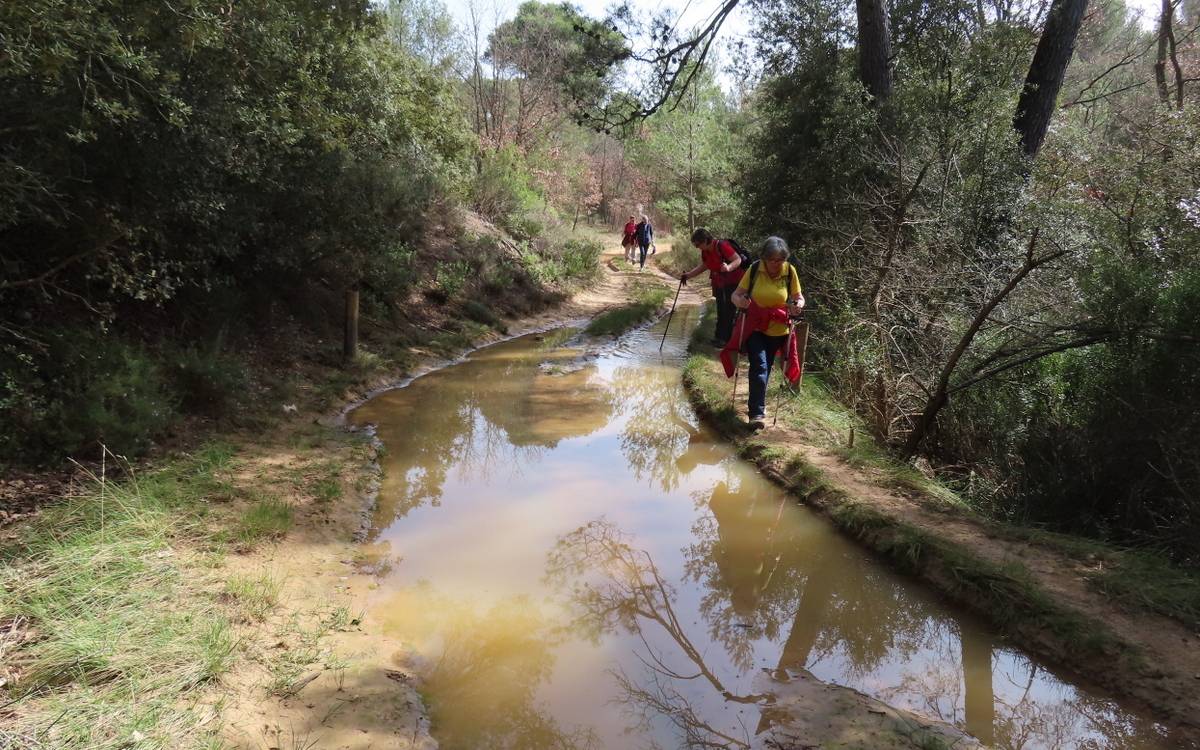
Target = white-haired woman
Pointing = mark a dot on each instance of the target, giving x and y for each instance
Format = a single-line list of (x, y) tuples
[(772, 284)]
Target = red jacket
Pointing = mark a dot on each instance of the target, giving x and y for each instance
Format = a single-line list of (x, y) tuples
[(630, 228), (755, 318), (713, 260)]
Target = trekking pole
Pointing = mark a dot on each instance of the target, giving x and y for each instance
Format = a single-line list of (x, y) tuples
[(739, 318), (782, 376), (670, 314)]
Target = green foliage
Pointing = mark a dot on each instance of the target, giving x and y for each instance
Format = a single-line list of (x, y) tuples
[(558, 48), (207, 383), (88, 390), (451, 278), (574, 261), (157, 162), (503, 192), (268, 518), (481, 313), (693, 150)]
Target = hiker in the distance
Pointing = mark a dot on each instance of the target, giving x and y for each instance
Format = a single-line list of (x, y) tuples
[(769, 294), (629, 239), (724, 266), (645, 235)]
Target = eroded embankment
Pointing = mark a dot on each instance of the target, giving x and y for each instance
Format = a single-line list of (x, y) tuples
[(1036, 595)]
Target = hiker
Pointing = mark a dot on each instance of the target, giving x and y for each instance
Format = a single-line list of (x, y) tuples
[(767, 307), (629, 239), (645, 235), (724, 265)]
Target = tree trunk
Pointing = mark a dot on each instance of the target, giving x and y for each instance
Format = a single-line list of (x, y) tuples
[(1046, 72), (1160, 63), (874, 49)]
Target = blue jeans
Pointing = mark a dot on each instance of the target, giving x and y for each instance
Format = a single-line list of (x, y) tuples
[(761, 350), (644, 248)]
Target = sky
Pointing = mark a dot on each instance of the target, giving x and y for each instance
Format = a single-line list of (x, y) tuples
[(694, 11)]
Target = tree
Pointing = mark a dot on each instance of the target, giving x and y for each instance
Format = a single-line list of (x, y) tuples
[(874, 49), (690, 148), (1045, 77)]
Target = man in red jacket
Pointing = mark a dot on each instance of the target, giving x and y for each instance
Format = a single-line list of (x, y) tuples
[(724, 272)]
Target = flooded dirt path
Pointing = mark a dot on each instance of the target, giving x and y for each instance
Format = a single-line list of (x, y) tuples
[(578, 563)]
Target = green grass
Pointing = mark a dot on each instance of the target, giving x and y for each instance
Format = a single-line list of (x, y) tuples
[(253, 596), (289, 667), (1147, 579), (267, 518), (326, 486), (124, 635), (648, 299)]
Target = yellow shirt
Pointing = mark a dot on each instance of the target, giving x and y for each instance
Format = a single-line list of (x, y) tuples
[(769, 292)]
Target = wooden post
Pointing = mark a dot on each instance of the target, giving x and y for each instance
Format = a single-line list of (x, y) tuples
[(350, 340)]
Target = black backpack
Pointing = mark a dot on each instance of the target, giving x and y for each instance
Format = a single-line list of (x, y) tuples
[(737, 248)]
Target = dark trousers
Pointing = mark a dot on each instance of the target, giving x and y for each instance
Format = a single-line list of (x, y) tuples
[(761, 350), (644, 248), (725, 312)]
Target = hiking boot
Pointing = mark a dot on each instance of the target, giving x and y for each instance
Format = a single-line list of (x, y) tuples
[(756, 423)]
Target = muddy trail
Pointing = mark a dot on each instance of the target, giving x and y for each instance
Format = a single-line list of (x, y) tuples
[(574, 561)]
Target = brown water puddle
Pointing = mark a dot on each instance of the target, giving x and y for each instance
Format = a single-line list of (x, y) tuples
[(580, 564)]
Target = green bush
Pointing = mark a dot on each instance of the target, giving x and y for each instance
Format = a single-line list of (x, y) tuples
[(481, 313), (207, 383), (503, 190), (581, 259), (452, 278), (86, 390)]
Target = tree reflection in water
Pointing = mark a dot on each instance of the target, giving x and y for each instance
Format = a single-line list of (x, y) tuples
[(485, 419), (656, 430), (613, 585), (764, 579)]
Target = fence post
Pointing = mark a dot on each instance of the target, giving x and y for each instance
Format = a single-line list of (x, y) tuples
[(350, 339)]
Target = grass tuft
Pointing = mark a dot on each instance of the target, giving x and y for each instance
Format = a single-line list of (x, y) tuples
[(117, 632), (253, 596), (648, 299), (268, 518)]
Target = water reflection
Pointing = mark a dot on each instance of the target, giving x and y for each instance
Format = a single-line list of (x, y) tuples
[(675, 575), (482, 670), (488, 419), (614, 585)]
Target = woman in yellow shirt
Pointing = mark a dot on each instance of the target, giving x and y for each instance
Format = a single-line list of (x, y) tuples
[(776, 286)]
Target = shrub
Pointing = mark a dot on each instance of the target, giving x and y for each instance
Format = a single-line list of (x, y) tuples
[(87, 389), (207, 383), (452, 278), (503, 190)]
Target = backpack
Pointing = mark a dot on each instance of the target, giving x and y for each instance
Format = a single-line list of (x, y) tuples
[(737, 248)]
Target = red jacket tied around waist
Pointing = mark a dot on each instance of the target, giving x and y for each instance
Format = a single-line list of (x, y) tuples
[(755, 318)]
